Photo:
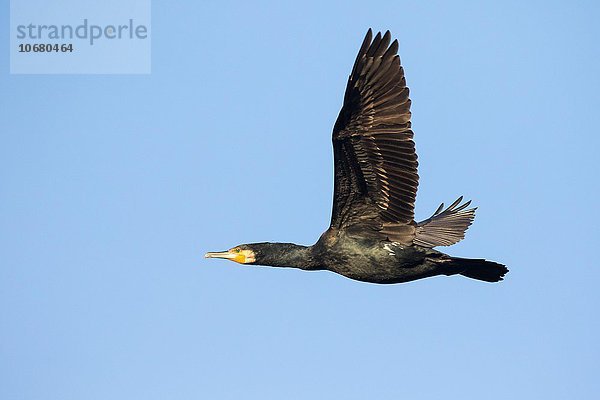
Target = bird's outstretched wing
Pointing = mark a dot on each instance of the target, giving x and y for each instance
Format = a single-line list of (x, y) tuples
[(445, 227), (375, 160)]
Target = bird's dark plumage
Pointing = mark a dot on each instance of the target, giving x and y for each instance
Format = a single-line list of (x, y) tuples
[(374, 155), (373, 236)]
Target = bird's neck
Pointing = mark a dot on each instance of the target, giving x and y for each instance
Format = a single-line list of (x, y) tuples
[(287, 255)]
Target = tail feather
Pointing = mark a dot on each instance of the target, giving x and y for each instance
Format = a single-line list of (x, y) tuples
[(480, 269)]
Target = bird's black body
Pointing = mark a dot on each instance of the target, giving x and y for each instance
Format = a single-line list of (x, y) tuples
[(369, 260), (373, 236)]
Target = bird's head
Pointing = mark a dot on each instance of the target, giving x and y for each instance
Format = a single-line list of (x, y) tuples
[(241, 254), (273, 254)]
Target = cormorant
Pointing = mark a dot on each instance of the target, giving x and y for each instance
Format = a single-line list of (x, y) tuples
[(372, 236)]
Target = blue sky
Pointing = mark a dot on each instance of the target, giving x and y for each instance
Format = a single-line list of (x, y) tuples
[(112, 187)]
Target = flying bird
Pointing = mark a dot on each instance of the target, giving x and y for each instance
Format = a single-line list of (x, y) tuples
[(373, 236)]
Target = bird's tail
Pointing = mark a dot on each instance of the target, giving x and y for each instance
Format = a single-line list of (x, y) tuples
[(480, 269)]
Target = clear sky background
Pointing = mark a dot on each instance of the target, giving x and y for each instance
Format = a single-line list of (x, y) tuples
[(113, 187)]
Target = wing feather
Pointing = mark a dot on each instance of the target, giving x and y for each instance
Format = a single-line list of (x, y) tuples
[(446, 227), (376, 176)]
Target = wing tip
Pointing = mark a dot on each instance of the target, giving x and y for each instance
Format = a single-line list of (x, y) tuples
[(446, 226)]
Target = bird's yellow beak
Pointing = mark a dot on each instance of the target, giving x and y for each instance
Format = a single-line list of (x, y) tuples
[(237, 255)]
